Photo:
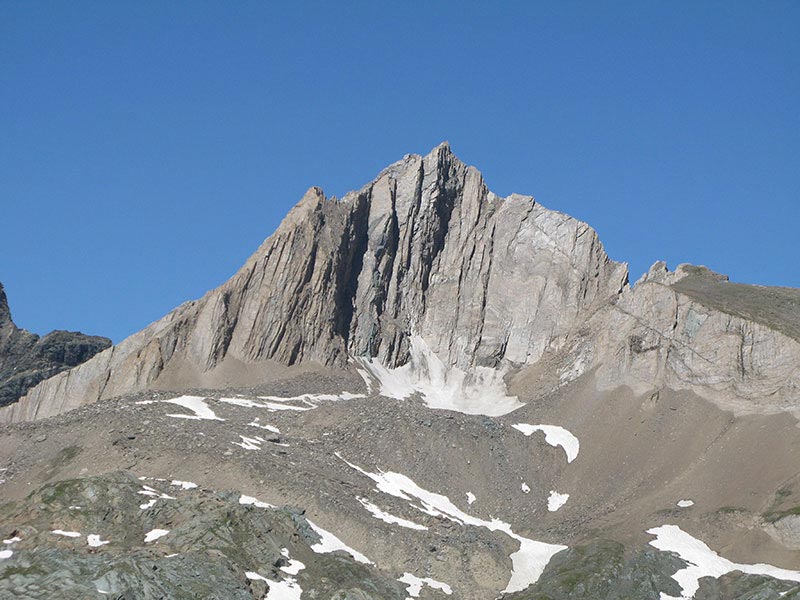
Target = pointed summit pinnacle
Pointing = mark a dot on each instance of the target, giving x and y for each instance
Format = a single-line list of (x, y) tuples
[(5, 312)]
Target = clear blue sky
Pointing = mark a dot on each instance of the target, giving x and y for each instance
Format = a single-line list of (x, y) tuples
[(147, 148)]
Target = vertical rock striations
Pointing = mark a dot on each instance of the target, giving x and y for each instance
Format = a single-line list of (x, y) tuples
[(426, 248), (427, 252)]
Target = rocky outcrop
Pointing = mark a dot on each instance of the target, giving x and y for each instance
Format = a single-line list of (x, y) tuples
[(691, 329), (424, 249), (90, 537), (26, 359)]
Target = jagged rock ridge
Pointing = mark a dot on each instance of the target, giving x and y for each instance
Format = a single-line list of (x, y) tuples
[(26, 359), (427, 250)]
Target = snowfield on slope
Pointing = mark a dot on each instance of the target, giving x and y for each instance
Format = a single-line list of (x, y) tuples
[(528, 562), (704, 562), (415, 584), (481, 391), (389, 518), (197, 405), (555, 436)]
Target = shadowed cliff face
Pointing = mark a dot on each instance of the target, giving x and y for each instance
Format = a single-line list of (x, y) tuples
[(26, 359), (427, 250)]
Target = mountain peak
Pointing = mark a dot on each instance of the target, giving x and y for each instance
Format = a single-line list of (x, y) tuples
[(5, 312)]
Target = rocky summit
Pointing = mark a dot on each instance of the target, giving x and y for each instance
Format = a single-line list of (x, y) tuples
[(421, 390)]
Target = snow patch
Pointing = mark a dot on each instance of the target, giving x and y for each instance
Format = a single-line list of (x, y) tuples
[(255, 423), (155, 496), (555, 436), (72, 534), (330, 543), (470, 498), (556, 500), (312, 399), (249, 443), (528, 562), (249, 500), (94, 540), (415, 584), (288, 589), (525, 488), (294, 566), (481, 391), (704, 562), (365, 376), (271, 406), (12, 540), (685, 503), (184, 485), (4, 554), (154, 534), (389, 518), (196, 404)]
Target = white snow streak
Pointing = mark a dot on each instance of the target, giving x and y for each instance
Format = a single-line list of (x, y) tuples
[(685, 503), (527, 563), (481, 391), (556, 500), (296, 403), (154, 534), (249, 443), (255, 423), (330, 543), (12, 540), (155, 496), (555, 436), (94, 540), (704, 562), (196, 404), (288, 589), (72, 534), (414, 584), (271, 406), (313, 398), (184, 485), (294, 566), (252, 501), (389, 518)]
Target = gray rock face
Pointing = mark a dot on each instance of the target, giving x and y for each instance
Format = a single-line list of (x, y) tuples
[(427, 250), (729, 343), (210, 546), (26, 359)]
